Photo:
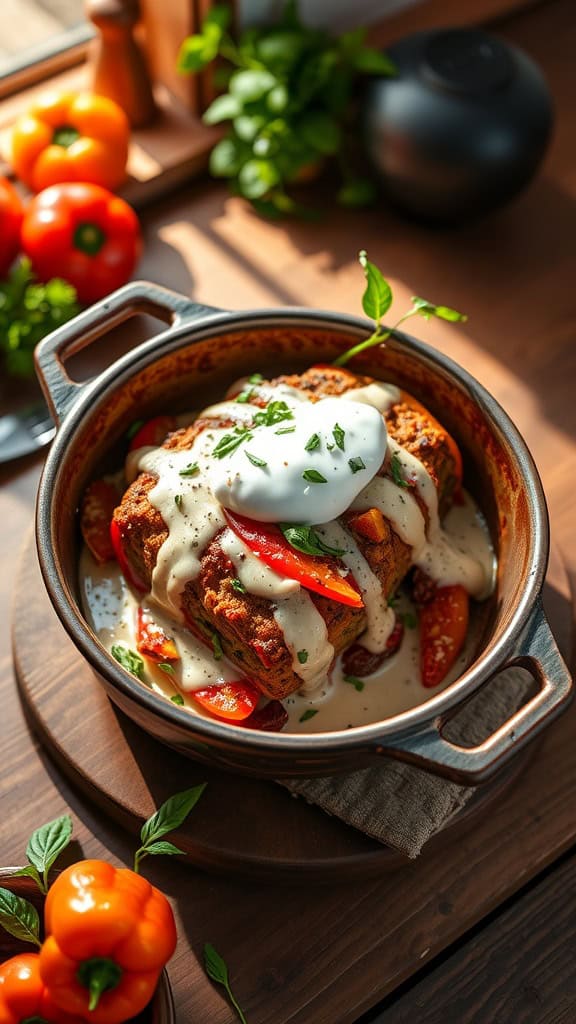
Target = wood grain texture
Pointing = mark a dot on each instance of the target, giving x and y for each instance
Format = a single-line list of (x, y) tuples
[(324, 955)]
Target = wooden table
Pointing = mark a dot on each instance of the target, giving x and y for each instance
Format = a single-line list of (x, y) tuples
[(481, 929)]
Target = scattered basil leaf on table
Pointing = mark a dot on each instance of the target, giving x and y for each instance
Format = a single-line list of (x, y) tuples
[(168, 817), (19, 918), (217, 970)]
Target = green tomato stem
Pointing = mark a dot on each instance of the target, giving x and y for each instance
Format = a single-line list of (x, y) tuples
[(98, 975), (89, 238), (65, 135)]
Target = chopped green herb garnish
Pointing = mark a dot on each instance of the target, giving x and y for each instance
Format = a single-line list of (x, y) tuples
[(190, 470), (166, 667), (302, 657), (255, 460), (129, 660), (396, 471), (338, 434), (308, 714), (256, 378), (230, 442), (305, 539), (410, 620), (355, 682), (312, 443), (275, 412), (392, 601), (216, 645), (356, 464), (178, 499), (314, 477), (245, 396), (285, 430), (178, 699), (238, 586), (133, 429)]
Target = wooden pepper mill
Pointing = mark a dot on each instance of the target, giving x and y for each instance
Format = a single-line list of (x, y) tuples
[(119, 68)]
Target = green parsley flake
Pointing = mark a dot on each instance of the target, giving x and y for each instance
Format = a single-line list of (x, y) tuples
[(308, 714), (410, 620), (355, 682), (230, 442), (396, 471), (255, 460), (302, 657), (245, 396), (238, 586), (338, 434), (356, 464), (190, 470), (216, 646), (285, 430), (178, 699), (129, 660), (314, 477), (275, 412), (256, 378), (166, 667), (178, 499), (312, 443)]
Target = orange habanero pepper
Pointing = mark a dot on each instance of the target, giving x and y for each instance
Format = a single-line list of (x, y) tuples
[(71, 137), (109, 934), (23, 995)]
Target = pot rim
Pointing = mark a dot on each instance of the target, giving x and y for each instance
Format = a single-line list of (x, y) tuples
[(206, 325)]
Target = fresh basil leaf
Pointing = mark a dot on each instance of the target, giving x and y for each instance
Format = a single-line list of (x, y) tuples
[(162, 847), (223, 108), (428, 310), (19, 918), (355, 682), (28, 871), (305, 539), (47, 843), (196, 53), (171, 814), (251, 85), (314, 477), (226, 158), (178, 699), (215, 966), (230, 442), (356, 464), (377, 297), (338, 434), (312, 443), (255, 460), (129, 660), (307, 715), (257, 177), (275, 412), (302, 657), (190, 470)]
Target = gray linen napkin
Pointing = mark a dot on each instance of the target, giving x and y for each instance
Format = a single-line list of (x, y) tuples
[(402, 806)]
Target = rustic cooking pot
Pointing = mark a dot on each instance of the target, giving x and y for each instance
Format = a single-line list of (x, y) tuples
[(191, 363)]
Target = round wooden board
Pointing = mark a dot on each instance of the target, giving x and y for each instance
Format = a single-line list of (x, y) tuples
[(241, 825)]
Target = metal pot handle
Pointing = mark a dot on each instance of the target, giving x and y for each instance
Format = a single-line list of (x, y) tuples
[(539, 654), (59, 389)]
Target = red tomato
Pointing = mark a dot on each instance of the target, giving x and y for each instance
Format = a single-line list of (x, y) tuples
[(98, 504), (151, 640), (320, 575), (153, 432), (84, 234), (131, 578), (233, 701), (11, 214), (443, 626)]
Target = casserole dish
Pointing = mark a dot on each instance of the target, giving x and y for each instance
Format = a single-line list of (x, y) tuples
[(193, 361)]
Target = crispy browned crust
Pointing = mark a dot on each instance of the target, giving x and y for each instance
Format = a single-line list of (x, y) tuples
[(248, 632)]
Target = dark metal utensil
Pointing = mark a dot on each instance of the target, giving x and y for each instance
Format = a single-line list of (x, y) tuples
[(24, 431)]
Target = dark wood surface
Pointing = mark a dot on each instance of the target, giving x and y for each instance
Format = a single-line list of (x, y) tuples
[(325, 955)]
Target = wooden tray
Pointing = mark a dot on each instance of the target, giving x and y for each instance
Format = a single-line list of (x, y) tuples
[(241, 825)]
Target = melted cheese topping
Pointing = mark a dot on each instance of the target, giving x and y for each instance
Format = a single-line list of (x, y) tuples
[(185, 497)]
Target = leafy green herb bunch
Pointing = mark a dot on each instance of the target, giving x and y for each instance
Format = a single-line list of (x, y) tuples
[(289, 101), (29, 310)]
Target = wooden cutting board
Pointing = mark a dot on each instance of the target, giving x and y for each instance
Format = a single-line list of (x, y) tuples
[(244, 825)]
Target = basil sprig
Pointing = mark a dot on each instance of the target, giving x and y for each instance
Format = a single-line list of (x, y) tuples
[(305, 539), (376, 302), (216, 969), (19, 918), (168, 817), (44, 846)]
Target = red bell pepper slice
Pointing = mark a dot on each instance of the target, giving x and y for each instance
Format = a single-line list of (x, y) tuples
[(443, 627), (152, 641), (98, 504), (234, 701), (320, 575), (131, 578), (153, 433)]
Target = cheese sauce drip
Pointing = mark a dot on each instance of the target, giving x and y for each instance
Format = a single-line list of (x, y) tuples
[(190, 483)]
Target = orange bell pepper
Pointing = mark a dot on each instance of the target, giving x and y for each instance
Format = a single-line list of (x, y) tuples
[(71, 137), (23, 995), (443, 628), (109, 934)]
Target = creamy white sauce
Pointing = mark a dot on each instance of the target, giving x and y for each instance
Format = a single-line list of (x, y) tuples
[(311, 473), (457, 552)]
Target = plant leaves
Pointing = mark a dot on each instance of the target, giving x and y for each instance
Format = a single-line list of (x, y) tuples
[(19, 918), (163, 847), (129, 659), (373, 62), (428, 309), (248, 86), (321, 131), (48, 842), (171, 814), (195, 54), (215, 966), (28, 871), (223, 108), (377, 298), (257, 177), (225, 159)]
